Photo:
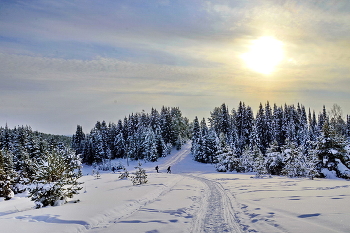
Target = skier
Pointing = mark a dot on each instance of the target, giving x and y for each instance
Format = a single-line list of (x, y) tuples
[(157, 169), (113, 169), (168, 170)]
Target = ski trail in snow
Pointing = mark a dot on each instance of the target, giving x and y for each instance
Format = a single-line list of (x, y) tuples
[(178, 157), (217, 212), (112, 216)]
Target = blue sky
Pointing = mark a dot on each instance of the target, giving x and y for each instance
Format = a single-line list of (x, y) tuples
[(64, 63)]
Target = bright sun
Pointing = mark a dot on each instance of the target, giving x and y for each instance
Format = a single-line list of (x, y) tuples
[(264, 55)]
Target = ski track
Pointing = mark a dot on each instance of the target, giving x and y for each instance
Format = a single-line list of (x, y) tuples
[(215, 214), (120, 212)]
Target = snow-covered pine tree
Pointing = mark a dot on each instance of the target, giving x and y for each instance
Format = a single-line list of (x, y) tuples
[(270, 134), (78, 139), (246, 161), (25, 172), (119, 145), (178, 143), (278, 124), (330, 149), (225, 157), (56, 178), (196, 134), (348, 127), (211, 146), (150, 147), (199, 153), (322, 118), (166, 125), (261, 129), (294, 161), (313, 131), (260, 166), (7, 175), (313, 165), (273, 161), (243, 121)]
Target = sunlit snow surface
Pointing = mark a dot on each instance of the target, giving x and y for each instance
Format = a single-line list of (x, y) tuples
[(194, 198)]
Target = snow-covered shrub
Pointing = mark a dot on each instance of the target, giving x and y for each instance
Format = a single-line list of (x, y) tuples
[(139, 177), (56, 178), (125, 174)]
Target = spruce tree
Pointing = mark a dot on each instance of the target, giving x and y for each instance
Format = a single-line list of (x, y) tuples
[(7, 175), (56, 178), (226, 159), (294, 161), (330, 149)]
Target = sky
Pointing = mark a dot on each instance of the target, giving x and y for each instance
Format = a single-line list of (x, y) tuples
[(64, 63)]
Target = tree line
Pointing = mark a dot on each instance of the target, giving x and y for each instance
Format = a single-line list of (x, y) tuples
[(41, 164), (278, 140), (140, 136)]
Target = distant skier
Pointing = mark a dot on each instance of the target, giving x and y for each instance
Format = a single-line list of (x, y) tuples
[(157, 168), (113, 169), (168, 170)]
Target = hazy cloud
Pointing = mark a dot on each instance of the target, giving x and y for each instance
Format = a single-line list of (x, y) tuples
[(64, 63)]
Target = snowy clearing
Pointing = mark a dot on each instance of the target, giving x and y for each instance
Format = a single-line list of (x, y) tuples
[(194, 198)]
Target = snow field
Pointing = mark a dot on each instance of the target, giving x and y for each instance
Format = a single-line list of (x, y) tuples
[(281, 204), (194, 198)]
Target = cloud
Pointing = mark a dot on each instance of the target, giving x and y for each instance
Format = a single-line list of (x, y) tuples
[(69, 61)]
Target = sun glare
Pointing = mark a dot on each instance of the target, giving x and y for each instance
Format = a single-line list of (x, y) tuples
[(264, 55)]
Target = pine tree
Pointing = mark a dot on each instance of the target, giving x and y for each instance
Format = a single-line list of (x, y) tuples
[(211, 146), (274, 161), (7, 175), (119, 145), (56, 179), (330, 149), (199, 152), (261, 130), (226, 159), (313, 165), (78, 139), (246, 161), (294, 161), (278, 125), (260, 166), (150, 149), (196, 134)]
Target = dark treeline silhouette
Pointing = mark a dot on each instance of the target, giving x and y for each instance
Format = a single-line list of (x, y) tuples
[(279, 140)]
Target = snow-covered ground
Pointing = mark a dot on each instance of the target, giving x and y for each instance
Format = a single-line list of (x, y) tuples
[(194, 198)]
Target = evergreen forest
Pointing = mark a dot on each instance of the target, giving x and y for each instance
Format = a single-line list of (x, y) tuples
[(278, 140)]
